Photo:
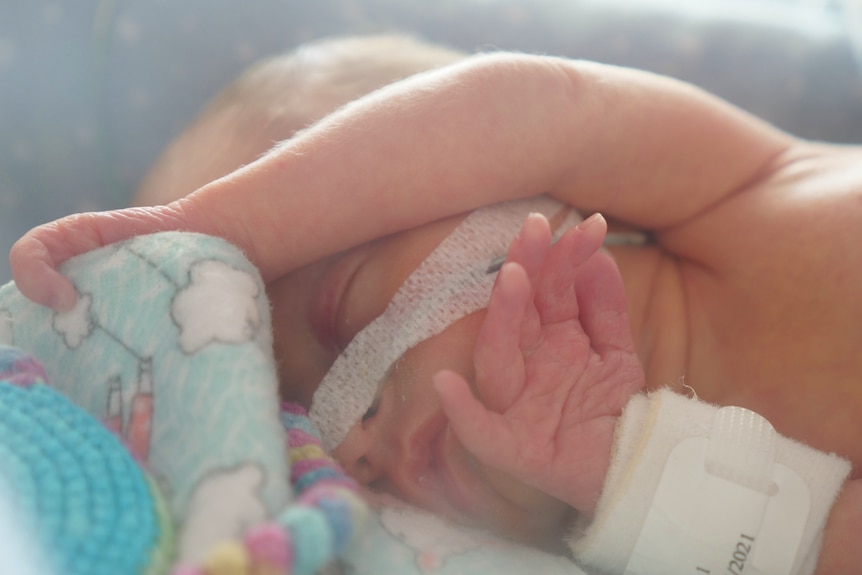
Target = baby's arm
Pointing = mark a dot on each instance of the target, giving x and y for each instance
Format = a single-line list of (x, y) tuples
[(635, 146), (555, 364)]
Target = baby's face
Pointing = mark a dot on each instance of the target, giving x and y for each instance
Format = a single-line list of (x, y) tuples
[(403, 445)]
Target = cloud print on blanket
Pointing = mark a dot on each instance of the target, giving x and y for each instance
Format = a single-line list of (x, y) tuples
[(218, 305)]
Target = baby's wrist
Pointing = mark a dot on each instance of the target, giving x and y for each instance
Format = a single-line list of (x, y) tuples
[(685, 476), (593, 467)]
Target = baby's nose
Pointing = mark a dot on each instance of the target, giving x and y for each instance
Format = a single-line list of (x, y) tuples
[(377, 457), (364, 470), (360, 455)]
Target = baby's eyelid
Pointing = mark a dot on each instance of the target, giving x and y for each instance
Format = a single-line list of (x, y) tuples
[(378, 396), (371, 411)]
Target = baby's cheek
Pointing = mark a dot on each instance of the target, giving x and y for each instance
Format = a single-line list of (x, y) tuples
[(300, 374)]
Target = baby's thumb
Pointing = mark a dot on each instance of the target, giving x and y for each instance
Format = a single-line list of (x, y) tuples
[(482, 432)]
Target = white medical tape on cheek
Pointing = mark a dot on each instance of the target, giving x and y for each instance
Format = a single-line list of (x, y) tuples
[(698, 489), (450, 284)]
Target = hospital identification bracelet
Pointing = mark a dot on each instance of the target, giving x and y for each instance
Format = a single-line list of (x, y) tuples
[(712, 491)]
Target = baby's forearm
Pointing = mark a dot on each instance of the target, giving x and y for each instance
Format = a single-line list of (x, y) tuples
[(634, 146), (649, 150), (476, 133)]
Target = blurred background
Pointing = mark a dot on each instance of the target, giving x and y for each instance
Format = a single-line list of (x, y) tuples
[(92, 90)]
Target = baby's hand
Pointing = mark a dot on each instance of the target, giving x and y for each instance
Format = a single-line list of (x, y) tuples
[(35, 257), (555, 364)]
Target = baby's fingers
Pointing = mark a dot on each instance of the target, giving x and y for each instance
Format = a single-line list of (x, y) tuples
[(555, 295), (603, 307), (497, 357), (531, 244), (483, 433), (35, 257), (36, 276)]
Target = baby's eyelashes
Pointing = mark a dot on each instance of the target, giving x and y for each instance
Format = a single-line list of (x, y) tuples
[(371, 411), (378, 396), (374, 408)]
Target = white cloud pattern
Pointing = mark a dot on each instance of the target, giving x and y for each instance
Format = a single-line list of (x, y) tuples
[(76, 324), (218, 305)]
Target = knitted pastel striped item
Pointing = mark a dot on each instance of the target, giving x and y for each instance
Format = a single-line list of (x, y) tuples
[(316, 528)]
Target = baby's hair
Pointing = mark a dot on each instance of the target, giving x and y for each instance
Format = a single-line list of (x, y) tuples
[(276, 98)]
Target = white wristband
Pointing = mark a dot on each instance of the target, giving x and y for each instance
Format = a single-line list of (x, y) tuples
[(698, 489)]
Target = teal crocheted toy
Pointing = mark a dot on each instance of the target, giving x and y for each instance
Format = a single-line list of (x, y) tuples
[(91, 506)]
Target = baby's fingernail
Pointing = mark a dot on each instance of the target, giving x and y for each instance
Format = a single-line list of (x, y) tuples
[(533, 224), (591, 221), (533, 217)]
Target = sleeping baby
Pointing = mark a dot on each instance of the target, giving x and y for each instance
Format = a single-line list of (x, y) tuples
[(556, 398)]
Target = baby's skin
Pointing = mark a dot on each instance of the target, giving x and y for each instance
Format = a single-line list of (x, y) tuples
[(750, 293), (555, 364)]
